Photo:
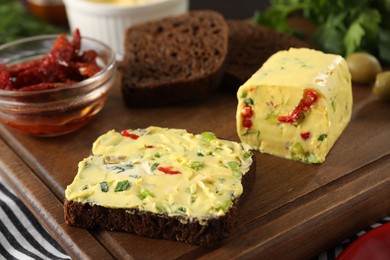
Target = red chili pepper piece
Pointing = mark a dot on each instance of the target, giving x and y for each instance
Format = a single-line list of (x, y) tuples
[(305, 135), (129, 134), (168, 170), (150, 146), (310, 96), (247, 122), (247, 112)]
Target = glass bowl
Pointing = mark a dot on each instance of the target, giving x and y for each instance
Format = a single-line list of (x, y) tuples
[(60, 110)]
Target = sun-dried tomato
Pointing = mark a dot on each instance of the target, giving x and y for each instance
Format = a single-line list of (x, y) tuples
[(63, 65), (310, 96), (5, 78)]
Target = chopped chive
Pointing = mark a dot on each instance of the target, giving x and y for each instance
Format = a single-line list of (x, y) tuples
[(122, 186), (154, 166), (143, 195), (104, 186), (249, 101), (182, 209), (322, 137)]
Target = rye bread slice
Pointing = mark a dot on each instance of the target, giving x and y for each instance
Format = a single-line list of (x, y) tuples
[(250, 45), (174, 59), (160, 226)]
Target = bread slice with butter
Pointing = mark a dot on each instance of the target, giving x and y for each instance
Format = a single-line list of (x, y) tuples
[(296, 105), (161, 183)]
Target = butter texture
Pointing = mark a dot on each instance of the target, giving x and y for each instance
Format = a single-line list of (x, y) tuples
[(163, 171), (296, 105)]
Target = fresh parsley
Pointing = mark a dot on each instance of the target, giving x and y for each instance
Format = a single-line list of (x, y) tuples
[(343, 26)]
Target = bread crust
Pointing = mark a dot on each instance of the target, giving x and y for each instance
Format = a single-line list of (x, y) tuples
[(174, 59), (159, 225), (250, 45)]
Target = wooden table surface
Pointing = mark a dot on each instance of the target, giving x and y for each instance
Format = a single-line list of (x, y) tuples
[(295, 209)]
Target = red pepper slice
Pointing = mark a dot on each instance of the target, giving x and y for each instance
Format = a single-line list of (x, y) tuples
[(168, 170), (310, 96), (247, 112), (129, 134), (305, 135), (247, 122)]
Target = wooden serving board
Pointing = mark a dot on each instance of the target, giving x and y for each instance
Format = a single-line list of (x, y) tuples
[(295, 209)]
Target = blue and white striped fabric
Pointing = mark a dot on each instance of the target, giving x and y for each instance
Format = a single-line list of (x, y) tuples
[(23, 237)]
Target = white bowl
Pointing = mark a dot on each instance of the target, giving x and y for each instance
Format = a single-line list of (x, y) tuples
[(108, 22)]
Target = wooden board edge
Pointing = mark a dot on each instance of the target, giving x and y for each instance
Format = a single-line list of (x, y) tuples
[(285, 232)]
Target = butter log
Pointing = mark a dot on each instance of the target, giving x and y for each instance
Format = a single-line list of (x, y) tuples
[(296, 105)]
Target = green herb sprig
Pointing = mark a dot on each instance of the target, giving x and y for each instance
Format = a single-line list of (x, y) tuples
[(343, 26)]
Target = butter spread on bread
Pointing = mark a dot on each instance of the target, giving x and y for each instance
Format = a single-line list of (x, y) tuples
[(296, 105), (162, 170)]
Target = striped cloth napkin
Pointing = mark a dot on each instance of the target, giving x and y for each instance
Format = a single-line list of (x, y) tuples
[(23, 237)]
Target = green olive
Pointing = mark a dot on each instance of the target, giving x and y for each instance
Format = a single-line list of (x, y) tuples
[(363, 67), (382, 85)]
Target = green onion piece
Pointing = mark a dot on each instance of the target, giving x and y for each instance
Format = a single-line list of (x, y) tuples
[(200, 154), (297, 149), (208, 136), (312, 159), (249, 101), (226, 205), (248, 154), (160, 208), (322, 137), (235, 168), (154, 166), (129, 166), (181, 209), (143, 195), (104, 186), (196, 165), (122, 186)]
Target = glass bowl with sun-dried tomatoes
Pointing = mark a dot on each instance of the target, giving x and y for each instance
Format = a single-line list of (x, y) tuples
[(54, 84)]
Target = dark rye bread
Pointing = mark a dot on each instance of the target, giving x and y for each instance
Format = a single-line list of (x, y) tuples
[(250, 45), (159, 225), (174, 59)]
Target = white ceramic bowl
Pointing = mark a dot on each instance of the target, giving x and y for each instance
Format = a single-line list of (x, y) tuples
[(108, 22)]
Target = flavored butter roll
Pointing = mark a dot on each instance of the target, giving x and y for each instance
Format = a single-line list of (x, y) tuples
[(296, 105)]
